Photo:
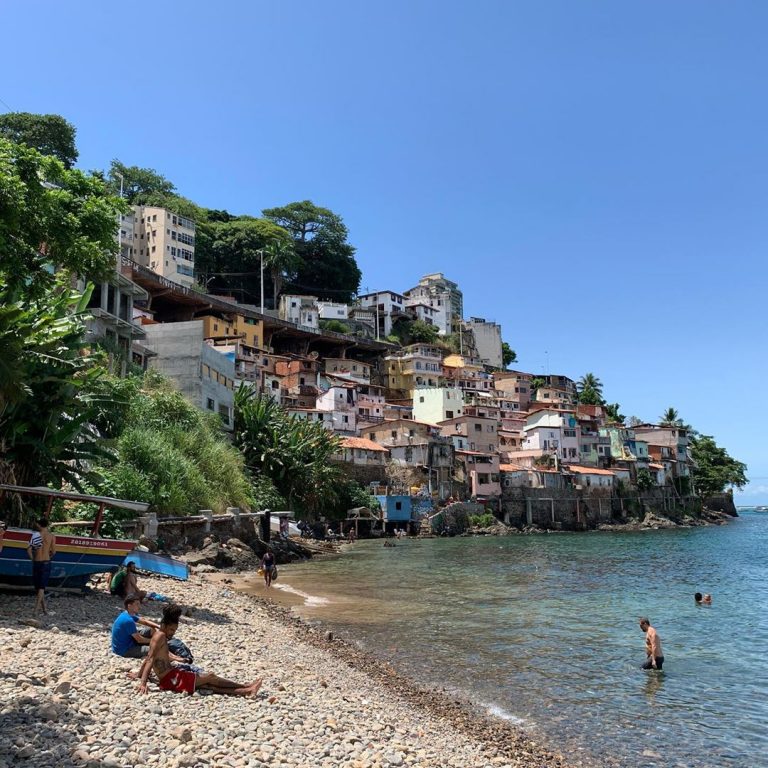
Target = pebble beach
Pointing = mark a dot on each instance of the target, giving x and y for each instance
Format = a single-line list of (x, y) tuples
[(66, 700)]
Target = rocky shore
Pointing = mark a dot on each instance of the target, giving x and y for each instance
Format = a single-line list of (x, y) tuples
[(65, 700)]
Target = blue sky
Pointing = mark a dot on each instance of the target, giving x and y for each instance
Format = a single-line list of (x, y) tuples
[(593, 174)]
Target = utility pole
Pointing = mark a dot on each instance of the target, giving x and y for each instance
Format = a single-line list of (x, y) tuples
[(261, 280)]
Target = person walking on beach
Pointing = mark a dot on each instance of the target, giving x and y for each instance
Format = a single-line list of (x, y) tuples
[(184, 678), (268, 566), (41, 549), (655, 658)]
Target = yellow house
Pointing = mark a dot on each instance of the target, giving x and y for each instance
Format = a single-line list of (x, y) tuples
[(228, 325)]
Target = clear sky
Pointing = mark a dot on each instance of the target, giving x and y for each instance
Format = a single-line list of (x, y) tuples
[(592, 174)]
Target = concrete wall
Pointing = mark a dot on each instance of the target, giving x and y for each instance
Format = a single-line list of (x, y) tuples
[(181, 354), (487, 341), (568, 509)]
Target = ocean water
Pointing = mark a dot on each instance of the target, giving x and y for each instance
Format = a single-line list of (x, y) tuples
[(542, 630)]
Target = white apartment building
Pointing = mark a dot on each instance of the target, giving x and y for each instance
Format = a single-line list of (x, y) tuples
[(487, 340), (331, 310), (443, 296), (434, 404), (387, 307), (302, 310), (163, 241)]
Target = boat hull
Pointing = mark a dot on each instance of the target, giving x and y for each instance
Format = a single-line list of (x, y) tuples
[(77, 558)]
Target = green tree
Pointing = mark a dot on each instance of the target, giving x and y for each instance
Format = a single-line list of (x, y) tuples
[(231, 256), (714, 469), (589, 396), (167, 452), (508, 355), (537, 382), (422, 333), (613, 412), (138, 184), (51, 217), (294, 454), (48, 134), (590, 389), (644, 480), (327, 266), (335, 326), (47, 382), (282, 262), (670, 418)]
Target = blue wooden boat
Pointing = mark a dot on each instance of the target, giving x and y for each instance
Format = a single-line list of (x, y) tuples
[(77, 557)]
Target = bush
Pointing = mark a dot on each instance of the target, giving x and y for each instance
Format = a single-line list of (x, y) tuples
[(482, 521), (169, 453)]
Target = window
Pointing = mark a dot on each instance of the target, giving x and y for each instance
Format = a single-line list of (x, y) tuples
[(482, 478), (421, 399), (224, 413), (449, 414), (478, 427), (154, 217), (393, 433), (345, 419), (490, 427), (398, 505), (209, 404), (275, 384)]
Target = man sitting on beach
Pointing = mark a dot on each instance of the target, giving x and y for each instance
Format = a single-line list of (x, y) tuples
[(655, 658), (184, 678), (127, 640)]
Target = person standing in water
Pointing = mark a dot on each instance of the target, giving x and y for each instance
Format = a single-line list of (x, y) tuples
[(41, 549), (655, 658), (268, 565)]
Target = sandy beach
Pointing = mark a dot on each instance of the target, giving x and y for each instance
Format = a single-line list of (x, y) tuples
[(67, 700)]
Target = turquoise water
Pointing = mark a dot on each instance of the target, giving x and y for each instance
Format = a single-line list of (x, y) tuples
[(543, 630)]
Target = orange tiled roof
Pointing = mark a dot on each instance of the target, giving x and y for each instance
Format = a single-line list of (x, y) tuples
[(511, 468), (362, 443), (589, 470)]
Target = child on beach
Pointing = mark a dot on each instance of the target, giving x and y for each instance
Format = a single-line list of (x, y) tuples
[(184, 678)]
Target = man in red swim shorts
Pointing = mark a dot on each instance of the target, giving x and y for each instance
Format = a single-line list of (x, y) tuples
[(183, 678)]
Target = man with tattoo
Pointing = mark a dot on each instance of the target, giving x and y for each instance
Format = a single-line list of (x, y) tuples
[(184, 678)]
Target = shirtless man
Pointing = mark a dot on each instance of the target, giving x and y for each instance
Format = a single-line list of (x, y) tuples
[(652, 645), (131, 585), (183, 678), (41, 549)]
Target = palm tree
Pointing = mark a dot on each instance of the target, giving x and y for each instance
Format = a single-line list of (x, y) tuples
[(590, 381), (670, 418), (281, 260)]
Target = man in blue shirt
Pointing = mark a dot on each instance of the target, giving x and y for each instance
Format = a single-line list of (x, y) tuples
[(126, 638)]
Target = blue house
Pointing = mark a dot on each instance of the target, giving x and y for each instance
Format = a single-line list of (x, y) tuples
[(396, 509)]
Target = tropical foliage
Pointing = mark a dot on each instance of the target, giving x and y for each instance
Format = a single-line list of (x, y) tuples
[(48, 134), (293, 454), (54, 222), (166, 451), (670, 418), (590, 390), (326, 260), (51, 217), (714, 469), (47, 388), (508, 355), (614, 414)]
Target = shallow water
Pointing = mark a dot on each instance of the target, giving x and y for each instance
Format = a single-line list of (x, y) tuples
[(543, 630)]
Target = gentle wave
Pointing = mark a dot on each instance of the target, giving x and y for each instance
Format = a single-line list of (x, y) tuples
[(494, 710), (309, 600)]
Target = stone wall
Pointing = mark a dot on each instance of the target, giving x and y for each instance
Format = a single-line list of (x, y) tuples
[(568, 509), (365, 475), (191, 532), (721, 502)]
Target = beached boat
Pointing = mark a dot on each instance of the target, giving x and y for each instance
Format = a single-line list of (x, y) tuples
[(77, 557)]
